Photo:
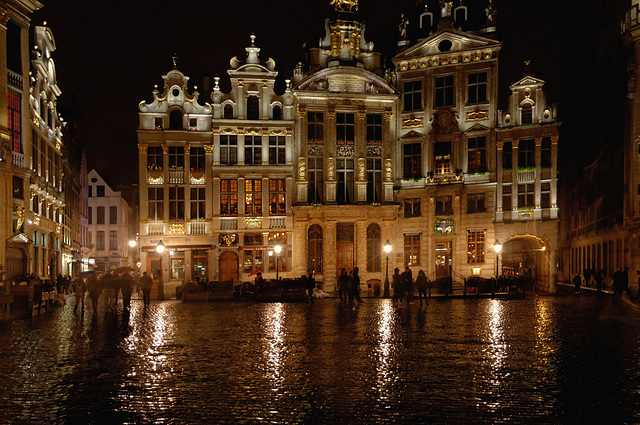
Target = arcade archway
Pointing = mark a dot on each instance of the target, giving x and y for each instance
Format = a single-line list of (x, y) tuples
[(526, 255)]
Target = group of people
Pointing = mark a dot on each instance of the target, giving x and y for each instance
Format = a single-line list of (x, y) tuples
[(403, 284), (349, 286), (619, 282), (111, 286)]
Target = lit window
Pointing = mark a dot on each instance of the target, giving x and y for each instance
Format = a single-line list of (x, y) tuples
[(475, 246)]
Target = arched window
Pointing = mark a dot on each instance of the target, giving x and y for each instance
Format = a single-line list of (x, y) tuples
[(253, 108), (277, 112), (373, 248), (314, 249), (228, 111), (175, 120)]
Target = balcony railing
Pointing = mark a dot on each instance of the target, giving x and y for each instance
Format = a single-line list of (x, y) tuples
[(197, 228), (155, 228), (176, 177), (526, 175), (228, 223), (277, 222), (155, 177), (17, 159)]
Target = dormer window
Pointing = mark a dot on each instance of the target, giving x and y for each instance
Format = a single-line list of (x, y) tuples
[(228, 111), (175, 120), (253, 108), (158, 123), (527, 114), (277, 112)]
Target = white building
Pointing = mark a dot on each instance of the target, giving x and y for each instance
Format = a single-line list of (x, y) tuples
[(109, 216)]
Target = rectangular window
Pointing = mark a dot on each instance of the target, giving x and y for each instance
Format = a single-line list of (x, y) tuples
[(477, 155), (176, 203), (113, 215), (442, 157), (374, 129), (412, 208), (345, 170), (196, 159), (14, 109), (158, 123), (253, 197), (176, 158), (444, 205), (17, 186), (315, 176), (155, 204), (374, 180), (345, 128), (113, 240), (507, 156), (100, 240), (475, 203), (545, 195), (444, 91), (412, 160), (177, 265), (527, 114), (545, 153), (100, 191), (197, 201), (412, 250), (229, 197), (100, 215), (412, 96), (277, 197), (90, 214), (229, 149), (253, 260), (154, 158), (526, 194), (277, 150), (315, 127), (253, 150), (475, 246), (526, 154), (477, 87)]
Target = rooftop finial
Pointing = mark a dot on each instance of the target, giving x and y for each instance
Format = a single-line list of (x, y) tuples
[(527, 68), (175, 60), (253, 39), (345, 5)]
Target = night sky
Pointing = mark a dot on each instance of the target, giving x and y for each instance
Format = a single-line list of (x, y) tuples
[(108, 58)]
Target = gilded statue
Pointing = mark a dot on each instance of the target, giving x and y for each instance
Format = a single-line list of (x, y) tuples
[(345, 5)]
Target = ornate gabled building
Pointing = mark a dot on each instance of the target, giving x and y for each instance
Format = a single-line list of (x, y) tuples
[(353, 154), (215, 179)]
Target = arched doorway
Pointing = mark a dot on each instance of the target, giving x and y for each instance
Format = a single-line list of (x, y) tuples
[(228, 266), (526, 256)]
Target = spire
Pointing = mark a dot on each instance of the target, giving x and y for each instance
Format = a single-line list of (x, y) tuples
[(252, 51), (175, 60), (527, 68)]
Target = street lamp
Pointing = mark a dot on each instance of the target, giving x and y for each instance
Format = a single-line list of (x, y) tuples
[(277, 249), (160, 248), (387, 250), (497, 246), (132, 243)]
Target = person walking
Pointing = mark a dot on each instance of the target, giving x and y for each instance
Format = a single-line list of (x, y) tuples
[(421, 285), (310, 286), (397, 285), (94, 292), (79, 289), (623, 283), (145, 284), (599, 281), (407, 282), (343, 285), (577, 282), (354, 286), (126, 284)]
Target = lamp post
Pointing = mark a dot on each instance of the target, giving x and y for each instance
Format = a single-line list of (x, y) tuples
[(277, 249), (387, 250), (160, 250), (497, 246)]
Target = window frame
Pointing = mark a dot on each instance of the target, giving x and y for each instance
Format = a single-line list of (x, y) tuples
[(444, 91)]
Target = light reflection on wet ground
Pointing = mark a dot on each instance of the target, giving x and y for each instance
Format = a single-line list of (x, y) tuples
[(538, 360)]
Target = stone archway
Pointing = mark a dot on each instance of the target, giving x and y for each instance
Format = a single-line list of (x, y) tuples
[(526, 255)]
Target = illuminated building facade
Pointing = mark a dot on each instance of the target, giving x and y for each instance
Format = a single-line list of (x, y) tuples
[(354, 154)]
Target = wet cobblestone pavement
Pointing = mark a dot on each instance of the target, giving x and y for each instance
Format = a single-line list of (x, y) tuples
[(538, 360)]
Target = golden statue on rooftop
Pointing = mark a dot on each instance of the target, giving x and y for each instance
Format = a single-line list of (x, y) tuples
[(345, 5)]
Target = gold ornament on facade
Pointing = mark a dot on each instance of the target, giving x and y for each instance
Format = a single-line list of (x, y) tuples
[(331, 168), (208, 149), (499, 144), (253, 222), (176, 228), (142, 147), (302, 169), (345, 5), (477, 115), (554, 140), (362, 170), (412, 122), (388, 115), (301, 111), (538, 141), (388, 170)]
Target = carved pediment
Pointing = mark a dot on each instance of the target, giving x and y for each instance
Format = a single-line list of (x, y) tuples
[(527, 81), (413, 135), (345, 80), (448, 41), (478, 127)]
